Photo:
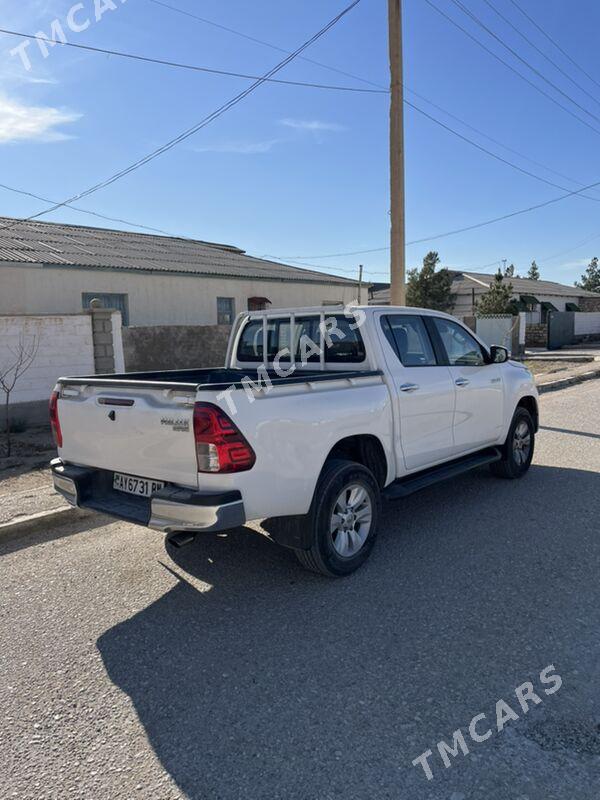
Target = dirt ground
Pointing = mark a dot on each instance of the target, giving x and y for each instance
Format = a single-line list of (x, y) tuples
[(556, 367), (27, 467)]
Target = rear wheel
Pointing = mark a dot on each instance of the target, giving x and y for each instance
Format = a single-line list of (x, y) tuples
[(344, 518), (517, 452)]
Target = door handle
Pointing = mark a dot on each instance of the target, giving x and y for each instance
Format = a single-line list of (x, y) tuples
[(409, 387), (462, 381)]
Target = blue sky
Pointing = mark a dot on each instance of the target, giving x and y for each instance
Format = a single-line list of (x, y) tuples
[(296, 172)]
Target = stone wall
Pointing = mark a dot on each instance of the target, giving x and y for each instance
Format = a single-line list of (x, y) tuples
[(536, 336), (175, 347), (589, 303)]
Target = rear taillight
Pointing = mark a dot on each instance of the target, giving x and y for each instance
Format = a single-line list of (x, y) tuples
[(54, 421), (220, 446)]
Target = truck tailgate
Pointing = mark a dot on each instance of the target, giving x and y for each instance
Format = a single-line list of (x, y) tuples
[(146, 432)]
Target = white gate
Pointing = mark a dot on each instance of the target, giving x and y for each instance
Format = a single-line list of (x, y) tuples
[(497, 329)]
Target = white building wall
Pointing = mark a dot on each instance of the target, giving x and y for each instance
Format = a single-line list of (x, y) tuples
[(587, 323), (154, 299), (64, 347)]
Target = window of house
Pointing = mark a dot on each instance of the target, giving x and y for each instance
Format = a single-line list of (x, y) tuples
[(225, 310), (408, 336), (462, 349), (258, 303), (118, 302)]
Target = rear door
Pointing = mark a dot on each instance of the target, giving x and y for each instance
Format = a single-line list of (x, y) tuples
[(424, 391), (479, 413)]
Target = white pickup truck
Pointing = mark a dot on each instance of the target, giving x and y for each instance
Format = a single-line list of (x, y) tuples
[(318, 414)]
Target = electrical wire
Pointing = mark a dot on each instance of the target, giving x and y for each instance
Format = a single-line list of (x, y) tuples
[(511, 68), (490, 153), (539, 50), (87, 211), (265, 44), (356, 77), (194, 129), (453, 232), (520, 58), (555, 43), (491, 138), (192, 67)]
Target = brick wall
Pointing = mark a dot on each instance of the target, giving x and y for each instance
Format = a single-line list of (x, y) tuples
[(589, 303), (536, 336), (175, 347)]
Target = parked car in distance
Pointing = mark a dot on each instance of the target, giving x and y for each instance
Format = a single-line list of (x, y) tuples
[(390, 400)]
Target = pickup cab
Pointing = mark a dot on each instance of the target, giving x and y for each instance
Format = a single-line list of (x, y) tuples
[(318, 415)]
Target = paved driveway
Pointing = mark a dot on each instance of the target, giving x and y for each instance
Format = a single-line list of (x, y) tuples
[(231, 673)]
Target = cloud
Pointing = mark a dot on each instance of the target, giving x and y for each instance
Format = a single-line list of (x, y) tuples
[(20, 122), (242, 148), (314, 125)]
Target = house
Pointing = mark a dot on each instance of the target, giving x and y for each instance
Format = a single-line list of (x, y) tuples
[(537, 298), (51, 268)]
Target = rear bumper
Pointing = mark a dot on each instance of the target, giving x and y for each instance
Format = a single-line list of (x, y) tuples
[(169, 510)]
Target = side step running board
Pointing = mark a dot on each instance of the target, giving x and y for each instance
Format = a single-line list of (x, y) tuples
[(421, 480)]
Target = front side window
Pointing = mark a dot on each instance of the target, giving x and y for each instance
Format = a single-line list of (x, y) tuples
[(408, 336), (225, 310), (462, 349)]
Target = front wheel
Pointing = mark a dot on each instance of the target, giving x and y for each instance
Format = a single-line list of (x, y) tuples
[(344, 519), (517, 452)]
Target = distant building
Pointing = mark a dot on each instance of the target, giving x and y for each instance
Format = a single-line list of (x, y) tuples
[(50, 268), (536, 298)]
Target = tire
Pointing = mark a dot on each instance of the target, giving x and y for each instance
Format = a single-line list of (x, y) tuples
[(347, 497), (517, 452)]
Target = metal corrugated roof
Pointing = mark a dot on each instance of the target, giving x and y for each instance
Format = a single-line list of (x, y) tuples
[(466, 281), (79, 246)]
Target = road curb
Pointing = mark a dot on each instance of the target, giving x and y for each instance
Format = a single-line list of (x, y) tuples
[(41, 520), (564, 383)]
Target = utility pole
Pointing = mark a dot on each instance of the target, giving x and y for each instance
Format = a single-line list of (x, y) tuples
[(397, 265), (360, 281)]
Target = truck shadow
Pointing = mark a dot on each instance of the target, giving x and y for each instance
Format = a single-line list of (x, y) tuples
[(253, 678)]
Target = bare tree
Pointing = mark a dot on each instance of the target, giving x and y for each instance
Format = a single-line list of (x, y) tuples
[(23, 357)]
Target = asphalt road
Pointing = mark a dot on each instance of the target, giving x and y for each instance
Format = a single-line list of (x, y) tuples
[(231, 673)]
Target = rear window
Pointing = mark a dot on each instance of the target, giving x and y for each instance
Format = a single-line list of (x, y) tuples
[(345, 345)]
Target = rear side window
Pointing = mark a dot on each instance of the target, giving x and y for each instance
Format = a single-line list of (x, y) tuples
[(343, 345), (409, 337)]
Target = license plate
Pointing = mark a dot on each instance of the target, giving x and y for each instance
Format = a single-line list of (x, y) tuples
[(143, 487)]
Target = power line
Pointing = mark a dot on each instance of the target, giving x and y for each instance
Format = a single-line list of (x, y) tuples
[(456, 230), (264, 43), (555, 43), (87, 211), (202, 124), (491, 138), (570, 249), (524, 61), (510, 67), (541, 52), (192, 67), (490, 153)]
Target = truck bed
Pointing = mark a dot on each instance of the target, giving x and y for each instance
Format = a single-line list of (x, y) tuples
[(210, 379)]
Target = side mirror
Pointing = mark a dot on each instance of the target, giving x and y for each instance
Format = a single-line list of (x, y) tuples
[(498, 355)]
